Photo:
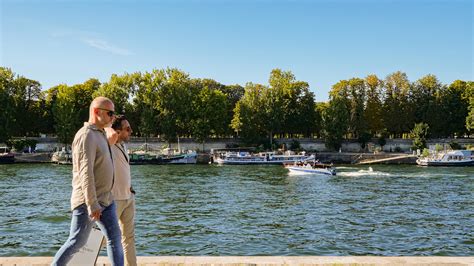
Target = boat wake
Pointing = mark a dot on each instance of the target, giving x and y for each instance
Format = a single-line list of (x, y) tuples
[(367, 172)]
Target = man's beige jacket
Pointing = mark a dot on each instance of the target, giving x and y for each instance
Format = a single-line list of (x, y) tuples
[(92, 169)]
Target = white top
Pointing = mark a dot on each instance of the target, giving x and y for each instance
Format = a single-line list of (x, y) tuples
[(123, 179)]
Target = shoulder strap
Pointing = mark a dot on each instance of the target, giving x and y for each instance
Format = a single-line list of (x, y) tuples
[(123, 152)]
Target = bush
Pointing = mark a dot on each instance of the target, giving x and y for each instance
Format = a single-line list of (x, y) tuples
[(295, 145), (439, 148), (363, 139), (22, 144), (398, 149), (419, 135), (454, 145), (425, 153), (382, 141)]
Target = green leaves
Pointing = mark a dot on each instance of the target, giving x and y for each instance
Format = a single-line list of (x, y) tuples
[(419, 135), (170, 104)]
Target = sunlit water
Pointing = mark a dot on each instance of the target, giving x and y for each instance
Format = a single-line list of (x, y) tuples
[(257, 210)]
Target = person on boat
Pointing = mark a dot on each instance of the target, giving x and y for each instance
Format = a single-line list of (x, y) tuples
[(92, 182), (122, 191)]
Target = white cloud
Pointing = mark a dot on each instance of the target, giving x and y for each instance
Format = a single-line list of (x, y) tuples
[(105, 46)]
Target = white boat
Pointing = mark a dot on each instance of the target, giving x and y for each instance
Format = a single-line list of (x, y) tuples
[(260, 158), (167, 157), (62, 156), (311, 168), (450, 158), (6, 156)]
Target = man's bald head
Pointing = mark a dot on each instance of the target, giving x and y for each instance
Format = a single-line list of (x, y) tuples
[(101, 102), (97, 110)]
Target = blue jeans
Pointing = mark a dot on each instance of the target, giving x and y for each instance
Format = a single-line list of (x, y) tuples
[(81, 226)]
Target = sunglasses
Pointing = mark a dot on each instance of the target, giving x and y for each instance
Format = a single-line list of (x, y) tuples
[(129, 129), (109, 112)]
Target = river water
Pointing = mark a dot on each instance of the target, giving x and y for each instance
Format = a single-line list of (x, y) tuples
[(257, 210)]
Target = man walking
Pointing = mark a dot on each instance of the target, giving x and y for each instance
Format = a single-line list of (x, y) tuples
[(92, 182), (123, 193)]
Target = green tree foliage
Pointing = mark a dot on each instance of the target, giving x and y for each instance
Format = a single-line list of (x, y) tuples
[(396, 108), (319, 109), (357, 97), (145, 101), (373, 110), (175, 101), (7, 114), (210, 110), (26, 93), (169, 104), (71, 108), (248, 120), (452, 108), (118, 89), (423, 97), (233, 94), (336, 116), (469, 97), (419, 135)]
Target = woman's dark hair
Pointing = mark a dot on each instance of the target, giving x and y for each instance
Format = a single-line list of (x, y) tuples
[(118, 122)]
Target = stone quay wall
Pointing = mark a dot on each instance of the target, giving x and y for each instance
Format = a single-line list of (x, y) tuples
[(314, 145)]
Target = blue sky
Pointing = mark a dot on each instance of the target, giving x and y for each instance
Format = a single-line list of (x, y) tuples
[(235, 42)]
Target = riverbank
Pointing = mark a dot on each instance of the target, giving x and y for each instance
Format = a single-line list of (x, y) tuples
[(264, 260), (326, 157)]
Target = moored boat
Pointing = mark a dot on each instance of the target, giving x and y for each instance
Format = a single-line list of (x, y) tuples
[(242, 158), (175, 158), (450, 158), (6, 156), (62, 156)]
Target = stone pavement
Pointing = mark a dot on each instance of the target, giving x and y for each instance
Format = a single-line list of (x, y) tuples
[(261, 261)]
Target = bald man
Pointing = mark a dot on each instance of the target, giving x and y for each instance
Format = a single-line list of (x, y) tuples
[(92, 182)]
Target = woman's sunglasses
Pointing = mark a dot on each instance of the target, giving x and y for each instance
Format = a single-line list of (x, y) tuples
[(109, 112)]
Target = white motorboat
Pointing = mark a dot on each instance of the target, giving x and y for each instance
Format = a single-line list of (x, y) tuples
[(450, 158), (311, 168)]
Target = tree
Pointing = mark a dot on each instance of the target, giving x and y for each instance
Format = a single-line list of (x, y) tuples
[(373, 110), (320, 109), (452, 108), (248, 119), (6, 106), (336, 116), (469, 96), (210, 108), (145, 101), (233, 94), (71, 108), (357, 98), (25, 94), (118, 89), (397, 114), (419, 135), (174, 104)]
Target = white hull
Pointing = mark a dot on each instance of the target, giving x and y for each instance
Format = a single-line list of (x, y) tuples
[(258, 160), (188, 159), (451, 158), (303, 170)]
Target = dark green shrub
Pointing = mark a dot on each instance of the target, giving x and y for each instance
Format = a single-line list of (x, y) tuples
[(454, 145)]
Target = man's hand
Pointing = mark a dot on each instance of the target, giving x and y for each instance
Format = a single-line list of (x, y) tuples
[(95, 216), (112, 135)]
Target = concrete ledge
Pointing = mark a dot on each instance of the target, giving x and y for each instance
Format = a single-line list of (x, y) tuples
[(267, 261)]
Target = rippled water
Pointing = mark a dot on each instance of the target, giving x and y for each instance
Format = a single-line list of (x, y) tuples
[(257, 210)]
